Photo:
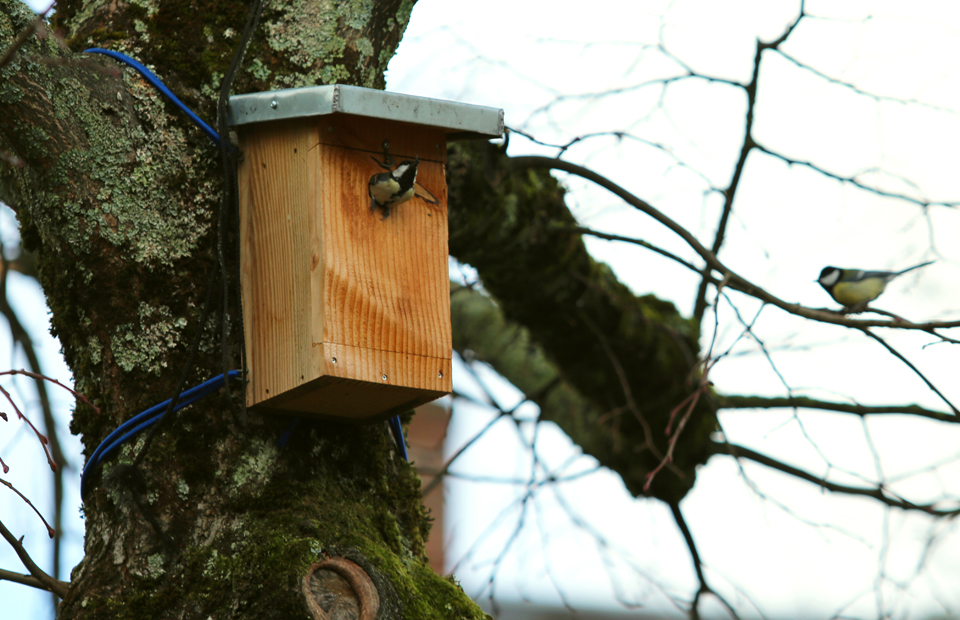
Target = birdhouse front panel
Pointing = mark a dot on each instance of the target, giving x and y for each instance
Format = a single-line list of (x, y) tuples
[(346, 312)]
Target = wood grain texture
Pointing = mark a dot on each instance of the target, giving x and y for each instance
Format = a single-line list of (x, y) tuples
[(324, 277)]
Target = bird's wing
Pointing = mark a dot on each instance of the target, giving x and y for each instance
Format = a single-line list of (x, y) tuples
[(425, 194), (884, 275)]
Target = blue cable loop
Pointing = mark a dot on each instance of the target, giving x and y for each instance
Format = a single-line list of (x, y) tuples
[(146, 419), (150, 77)]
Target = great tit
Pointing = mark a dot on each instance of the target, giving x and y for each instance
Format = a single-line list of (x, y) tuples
[(388, 189), (855, 288)]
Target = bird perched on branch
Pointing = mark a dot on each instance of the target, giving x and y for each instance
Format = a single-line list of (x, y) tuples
[(855, 288), (388, 189)]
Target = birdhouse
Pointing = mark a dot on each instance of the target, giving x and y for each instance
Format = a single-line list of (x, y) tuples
[(346, 312)]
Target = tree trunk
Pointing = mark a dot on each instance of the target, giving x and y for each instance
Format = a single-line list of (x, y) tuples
[(120, 196)]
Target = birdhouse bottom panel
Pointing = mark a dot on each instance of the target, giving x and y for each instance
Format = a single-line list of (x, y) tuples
[(361, 384)]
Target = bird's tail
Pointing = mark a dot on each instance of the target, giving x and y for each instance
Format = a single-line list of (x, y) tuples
[(899, 273)]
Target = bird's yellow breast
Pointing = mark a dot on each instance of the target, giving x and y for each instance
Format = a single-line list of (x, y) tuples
[(383, 191), (853, 293)]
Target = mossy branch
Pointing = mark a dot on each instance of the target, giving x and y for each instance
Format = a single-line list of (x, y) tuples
[(610, 346)]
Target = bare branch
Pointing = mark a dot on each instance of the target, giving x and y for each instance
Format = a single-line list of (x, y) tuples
[(50, 530), (20, 336), (733, 280), (762, 402), (879, 493), (38, 377), (698, 566), (620, 135), (25, 580), (645, 244), (860, 91), (40, 436), (60, 588), (853, 181), (729, 194), (910, 365), (439, 475)]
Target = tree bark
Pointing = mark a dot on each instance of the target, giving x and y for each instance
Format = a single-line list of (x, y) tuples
[(119, 196)]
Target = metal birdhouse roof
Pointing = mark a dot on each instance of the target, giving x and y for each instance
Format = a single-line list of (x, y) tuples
[(461, 121)]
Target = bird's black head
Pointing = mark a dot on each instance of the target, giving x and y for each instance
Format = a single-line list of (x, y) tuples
[(829, 276), (406, 173)]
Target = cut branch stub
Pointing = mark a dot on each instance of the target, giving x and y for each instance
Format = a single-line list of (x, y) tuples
[(338, 589)]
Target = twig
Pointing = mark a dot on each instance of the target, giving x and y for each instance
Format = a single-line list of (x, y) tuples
[(20, 336), (40, 436), (876, 492), (38, 377), (853, 181), (729, 194), (439, 475), (50, 530), (910, 365), (611, 237)]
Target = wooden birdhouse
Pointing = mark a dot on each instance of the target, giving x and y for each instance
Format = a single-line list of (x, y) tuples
[(346, 313)]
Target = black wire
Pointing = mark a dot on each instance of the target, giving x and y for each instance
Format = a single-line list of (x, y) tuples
[(230, 204)]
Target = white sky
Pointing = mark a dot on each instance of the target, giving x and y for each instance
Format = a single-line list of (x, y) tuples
[(826, 552), (788, 223)]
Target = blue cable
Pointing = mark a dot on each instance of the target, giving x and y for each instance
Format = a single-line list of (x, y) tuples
[(146, 419), (397, 429), (150, 77)]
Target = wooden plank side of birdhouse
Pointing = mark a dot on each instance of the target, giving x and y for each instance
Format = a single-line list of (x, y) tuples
[(326, 279), (386, 278), (386, 282), (277, 178)]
